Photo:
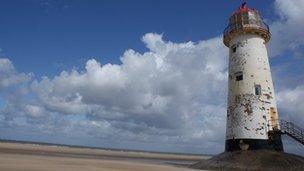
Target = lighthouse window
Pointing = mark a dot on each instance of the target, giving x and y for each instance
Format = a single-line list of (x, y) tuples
[(257, 89), (233, 48), (239, 76), (245, 18)]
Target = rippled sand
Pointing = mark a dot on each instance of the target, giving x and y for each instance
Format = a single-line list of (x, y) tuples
[(28, 157)]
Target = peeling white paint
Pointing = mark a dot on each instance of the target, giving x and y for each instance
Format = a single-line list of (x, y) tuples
[(249, 113)]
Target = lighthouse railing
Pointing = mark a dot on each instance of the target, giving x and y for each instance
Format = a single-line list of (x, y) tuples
[(246, 24)]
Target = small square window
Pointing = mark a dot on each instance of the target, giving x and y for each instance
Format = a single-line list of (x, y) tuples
[(239, 76), (233, 48), (258, 90)]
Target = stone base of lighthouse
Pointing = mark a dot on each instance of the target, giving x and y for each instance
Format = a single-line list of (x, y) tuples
[(253, 154), (252, 160), (273, 143)]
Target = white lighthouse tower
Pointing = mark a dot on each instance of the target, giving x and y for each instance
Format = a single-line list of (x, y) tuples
[(252, 117)]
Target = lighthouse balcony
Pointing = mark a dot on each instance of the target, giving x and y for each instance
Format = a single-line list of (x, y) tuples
[(246, 27)]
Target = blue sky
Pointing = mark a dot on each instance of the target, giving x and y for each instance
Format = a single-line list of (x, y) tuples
[(45, 37), (134, 74)]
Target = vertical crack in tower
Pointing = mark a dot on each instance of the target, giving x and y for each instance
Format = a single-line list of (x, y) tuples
[(252, 117)]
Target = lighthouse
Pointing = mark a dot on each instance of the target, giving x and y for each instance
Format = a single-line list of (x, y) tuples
[(253, 132), (252, 116)]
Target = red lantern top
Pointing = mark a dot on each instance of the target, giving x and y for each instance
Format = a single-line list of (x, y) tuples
[(245, 21), (244, 8)]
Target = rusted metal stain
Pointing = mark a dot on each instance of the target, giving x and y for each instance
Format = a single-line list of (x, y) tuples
[(268, 96), (274, 118), (248, 109)]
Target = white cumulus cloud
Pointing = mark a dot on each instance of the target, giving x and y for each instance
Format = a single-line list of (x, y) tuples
[(9, 76), (291, 102), (173, 90)]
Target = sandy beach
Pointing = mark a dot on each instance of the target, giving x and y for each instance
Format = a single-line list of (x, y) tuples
[(32, 157)]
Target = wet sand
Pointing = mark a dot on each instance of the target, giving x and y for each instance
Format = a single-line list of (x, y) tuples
[(31, 157)]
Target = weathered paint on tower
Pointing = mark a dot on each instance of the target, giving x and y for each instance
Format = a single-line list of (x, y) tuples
[(252, 117)]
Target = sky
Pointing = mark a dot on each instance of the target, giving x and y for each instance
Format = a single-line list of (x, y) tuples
[(145, 75)]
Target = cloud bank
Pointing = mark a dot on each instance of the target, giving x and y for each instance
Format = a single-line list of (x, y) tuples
[(287, 31), (173, 92)]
